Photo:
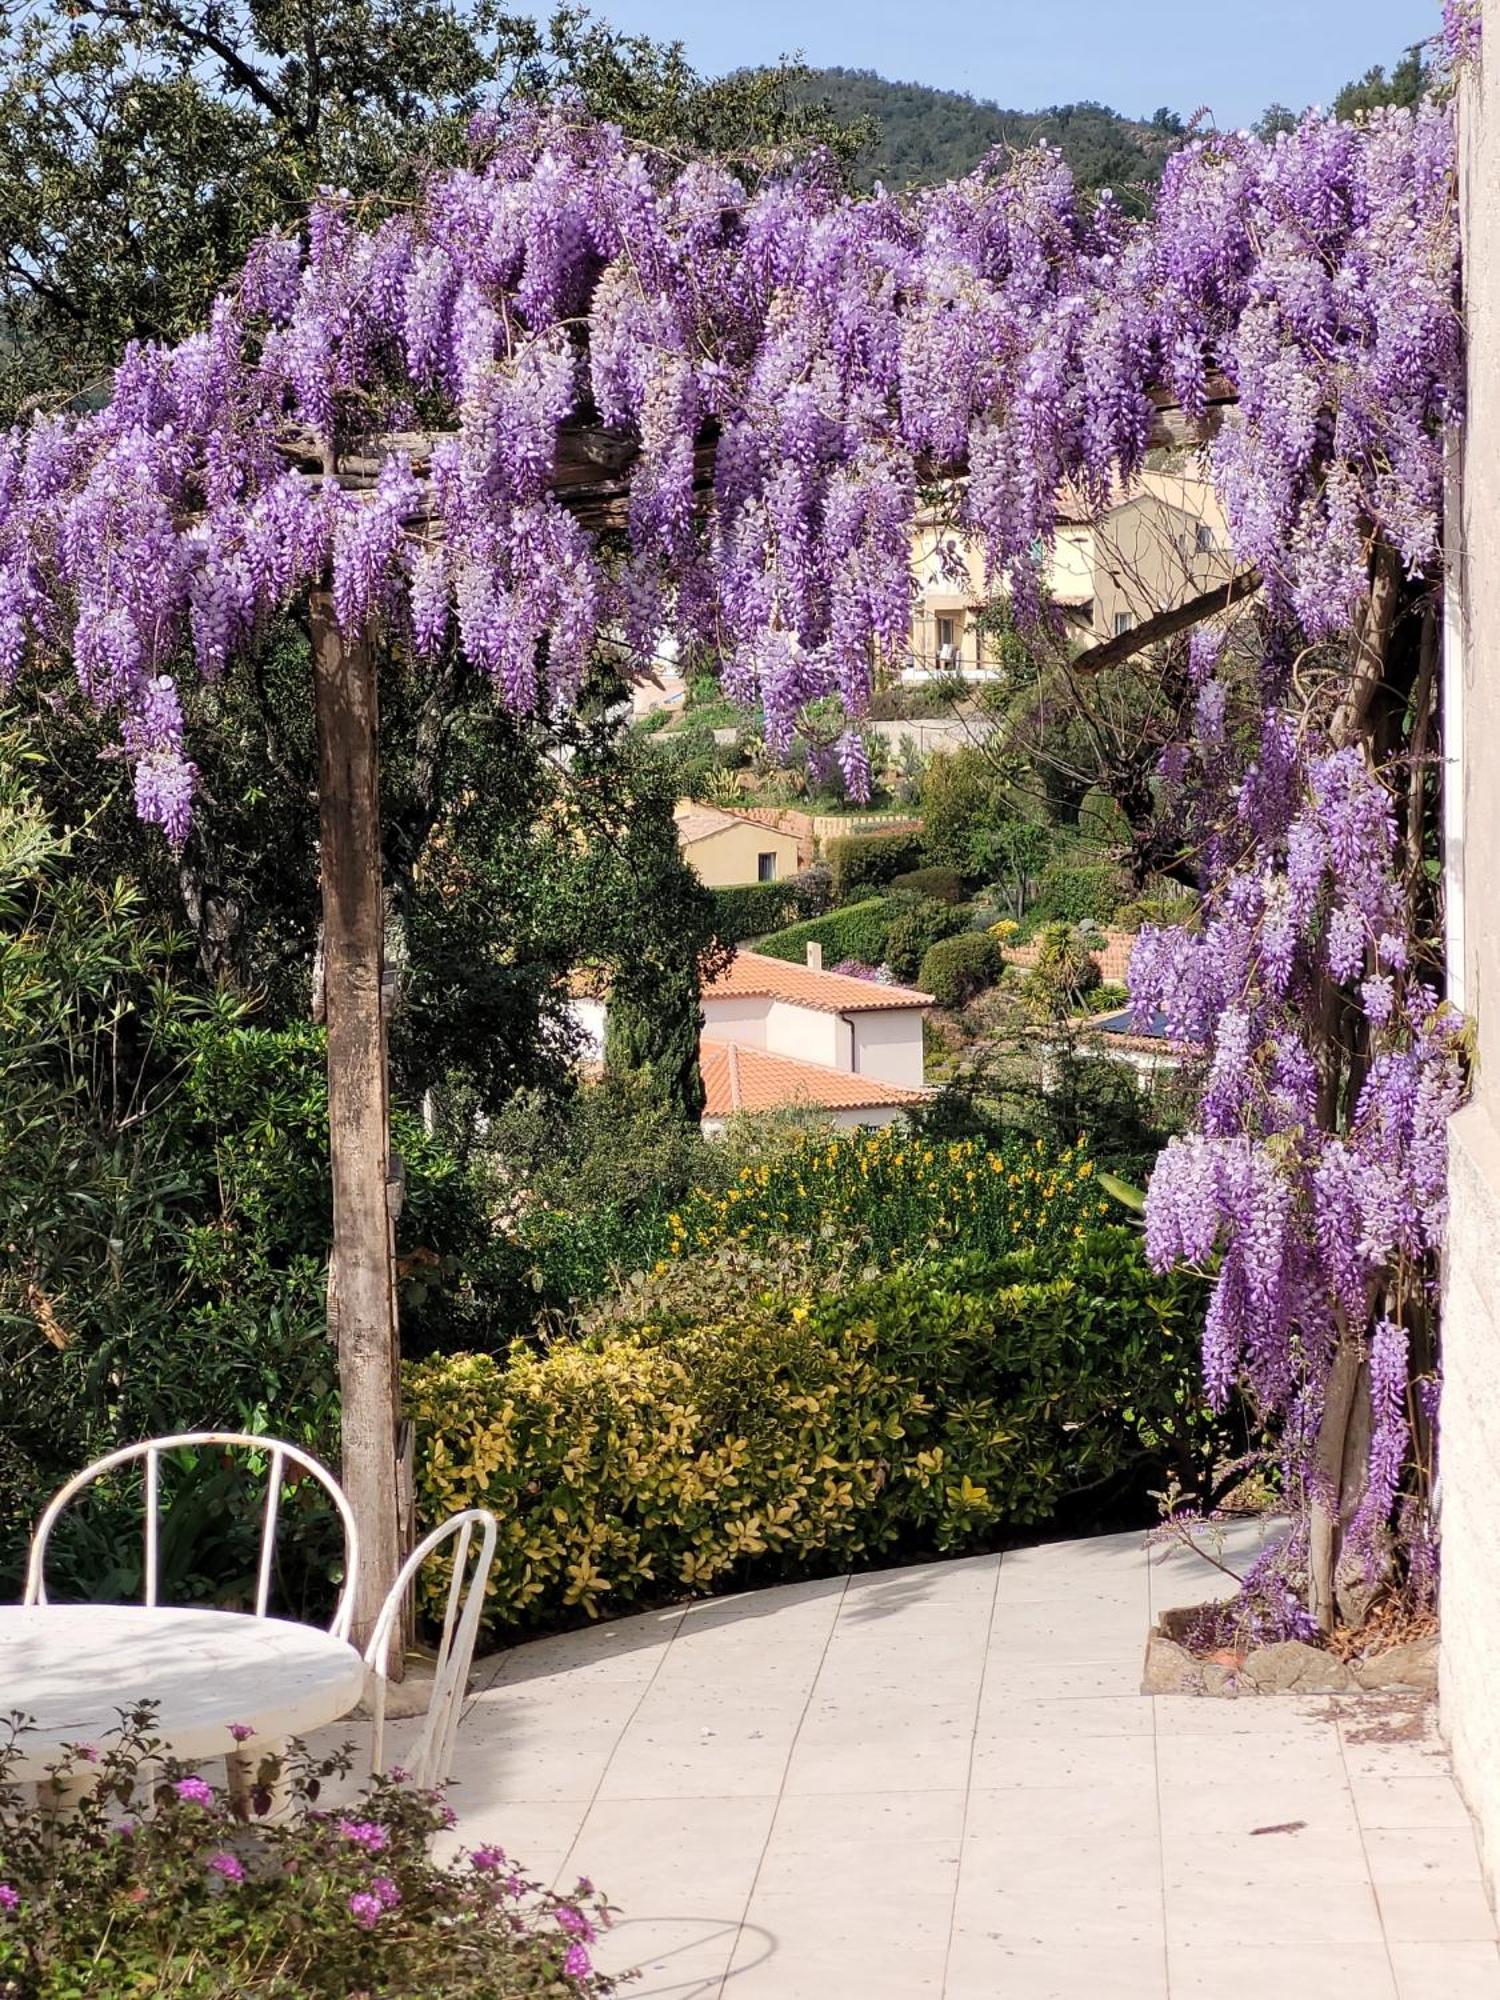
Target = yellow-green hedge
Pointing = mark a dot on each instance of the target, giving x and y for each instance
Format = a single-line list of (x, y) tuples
[(924, 1409)]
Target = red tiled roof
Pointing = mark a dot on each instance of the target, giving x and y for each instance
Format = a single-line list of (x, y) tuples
[(751, 975), (698, 822), (740, 1077), (1112, 958)]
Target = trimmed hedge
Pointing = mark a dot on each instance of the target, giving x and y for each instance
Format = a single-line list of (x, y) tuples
[(939, 885), (1079, 892), (957, 968), (858, 930), (752, 910), (862, 862), (930, 1408), (917, 922)]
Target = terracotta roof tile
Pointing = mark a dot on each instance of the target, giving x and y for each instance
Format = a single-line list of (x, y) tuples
[(752, 975), (740, 1077), (1113, 957), (697, 822)]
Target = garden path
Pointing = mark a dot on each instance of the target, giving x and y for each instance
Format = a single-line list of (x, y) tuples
[(943, 1781)]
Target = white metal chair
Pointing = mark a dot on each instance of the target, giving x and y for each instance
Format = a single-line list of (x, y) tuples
[(432, 1760), (281, 1455)]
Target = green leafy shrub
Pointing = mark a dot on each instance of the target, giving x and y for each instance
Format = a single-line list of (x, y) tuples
[(599, 1173), (942, 885), (917, 923), (752, 910), (864, 862), (812, 889), (164, 1184), (189, 1899), (957, 968), (772, 1425), (896, 1196), (1077, 892), (858, 930), (964, 798)]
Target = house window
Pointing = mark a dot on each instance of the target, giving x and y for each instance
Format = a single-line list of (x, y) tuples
[(1203, 540), (1124, 622), (765, 867), (947, 637)]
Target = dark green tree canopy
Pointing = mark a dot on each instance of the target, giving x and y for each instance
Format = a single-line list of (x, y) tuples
[(145, 143)]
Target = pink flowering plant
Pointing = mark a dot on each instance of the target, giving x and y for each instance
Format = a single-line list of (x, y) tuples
[(160, 1881)]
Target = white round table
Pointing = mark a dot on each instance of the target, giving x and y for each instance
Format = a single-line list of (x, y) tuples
[(73, 1667)]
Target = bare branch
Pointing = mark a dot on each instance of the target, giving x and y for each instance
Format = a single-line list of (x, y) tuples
[(1166, 624)]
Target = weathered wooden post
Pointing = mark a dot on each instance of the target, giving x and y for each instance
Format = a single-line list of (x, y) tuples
[(361, 1279)]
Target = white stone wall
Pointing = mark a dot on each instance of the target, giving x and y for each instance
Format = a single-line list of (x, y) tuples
[(1469, 1660), (1470, 1463)]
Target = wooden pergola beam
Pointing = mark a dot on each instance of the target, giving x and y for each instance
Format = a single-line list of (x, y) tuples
[(594, 465)]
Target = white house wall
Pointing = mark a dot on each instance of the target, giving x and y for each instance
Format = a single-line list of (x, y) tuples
[(736, 1018), (808, 1034), (1469, 1666), (889, 1045)]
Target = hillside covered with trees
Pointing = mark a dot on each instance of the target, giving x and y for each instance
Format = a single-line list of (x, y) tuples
[(928, 135)]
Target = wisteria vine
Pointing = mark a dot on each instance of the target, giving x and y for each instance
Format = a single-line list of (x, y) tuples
[(840, 351), (833, 358)]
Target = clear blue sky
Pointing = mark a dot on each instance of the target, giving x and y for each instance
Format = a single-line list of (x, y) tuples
[(1029, 53)]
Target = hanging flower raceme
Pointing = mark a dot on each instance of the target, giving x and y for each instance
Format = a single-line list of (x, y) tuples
[(831, 354), (1320, 1217)]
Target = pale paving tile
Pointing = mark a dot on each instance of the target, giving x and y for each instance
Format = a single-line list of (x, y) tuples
[(864, 1844), (982, 1967), (1421, 1757), (1097, 1815), (551, 1752), (1069, 1724), (1422, 1854), (1028, 1625), (1021, 1762), (1048, 1870), (1437, 1912), (797, 1946), (626, 1649), (1108, 1839), (1219, 1906), (687, 1745), (681, 1958), (724, 1643), (863, 1747), (1284, 1719), (1289, 1969), (1041, 1680), (679, 1871), (1446, 1971), (1410, 1802)]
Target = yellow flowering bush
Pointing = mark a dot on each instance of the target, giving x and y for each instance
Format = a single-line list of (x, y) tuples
[(899, 1194), (787, 1430)]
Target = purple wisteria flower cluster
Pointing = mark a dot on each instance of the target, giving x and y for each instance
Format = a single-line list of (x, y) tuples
[(1314, 1181), (818, 359)]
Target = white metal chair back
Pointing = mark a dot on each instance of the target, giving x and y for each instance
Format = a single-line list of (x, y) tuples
[(281, 1455), (432, 1760)]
